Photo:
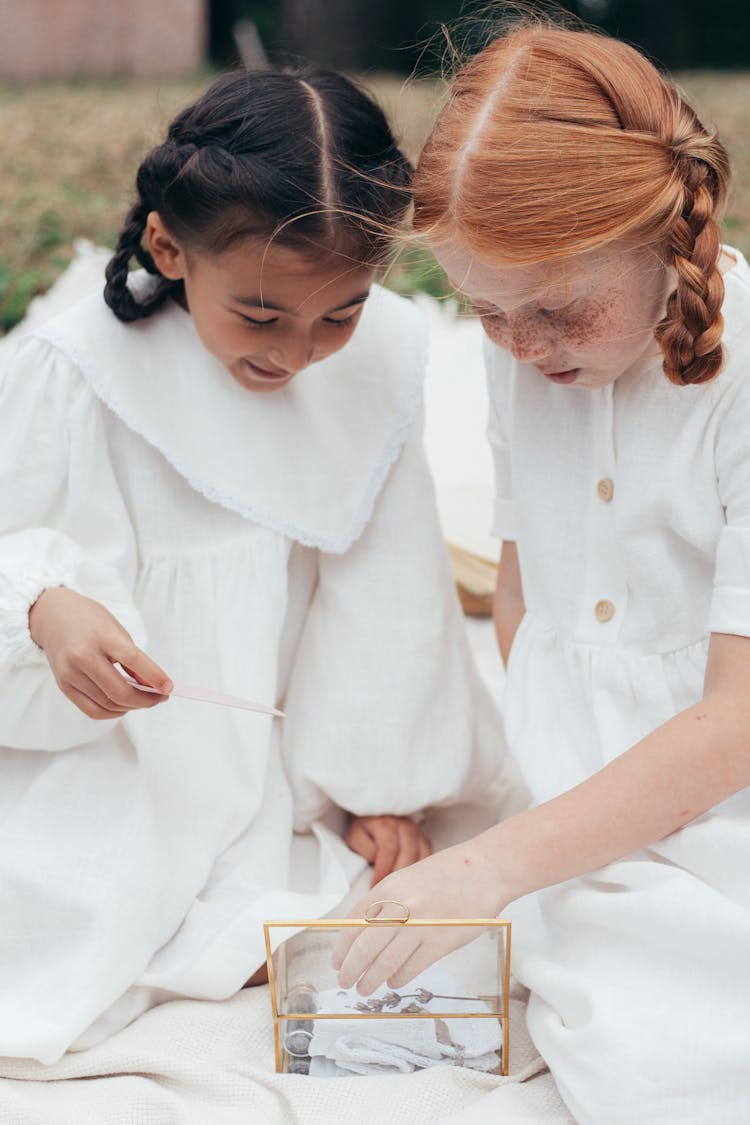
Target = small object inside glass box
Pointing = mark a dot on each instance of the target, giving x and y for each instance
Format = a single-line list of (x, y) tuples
[(453, 1014)]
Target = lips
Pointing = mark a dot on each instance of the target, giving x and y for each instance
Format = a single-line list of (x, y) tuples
[(263, 373), (563, 377)]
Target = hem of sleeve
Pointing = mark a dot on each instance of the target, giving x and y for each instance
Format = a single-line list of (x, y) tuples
[(504, 520), (730, 612), (16, 642)]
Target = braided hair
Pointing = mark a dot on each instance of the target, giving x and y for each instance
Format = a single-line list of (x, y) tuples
[(300, 155), (555, 142), (690, 333)]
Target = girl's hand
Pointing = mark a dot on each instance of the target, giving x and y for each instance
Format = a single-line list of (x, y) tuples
[(82, 640), (460, 882), (387, 842)]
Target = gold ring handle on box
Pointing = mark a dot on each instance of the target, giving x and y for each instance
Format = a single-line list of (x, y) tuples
[(378, 921)]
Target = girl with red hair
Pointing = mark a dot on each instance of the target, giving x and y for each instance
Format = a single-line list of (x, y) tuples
[(573, 195)]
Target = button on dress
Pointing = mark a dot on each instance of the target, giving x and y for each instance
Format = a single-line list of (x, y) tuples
[(630, 509)]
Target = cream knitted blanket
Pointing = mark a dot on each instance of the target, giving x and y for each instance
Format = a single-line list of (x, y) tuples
[(211, 1063)]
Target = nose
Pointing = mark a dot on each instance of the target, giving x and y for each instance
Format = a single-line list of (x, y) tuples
[(294, 354), (530, 338)]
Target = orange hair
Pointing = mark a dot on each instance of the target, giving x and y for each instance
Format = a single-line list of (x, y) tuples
[(555, 142)]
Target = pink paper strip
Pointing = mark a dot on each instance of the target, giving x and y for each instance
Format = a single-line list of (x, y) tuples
[(205, 695)]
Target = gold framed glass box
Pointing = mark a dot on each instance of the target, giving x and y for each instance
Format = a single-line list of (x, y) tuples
[(455, 1013)]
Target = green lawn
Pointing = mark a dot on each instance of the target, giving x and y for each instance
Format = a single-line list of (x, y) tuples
[(70, 152)]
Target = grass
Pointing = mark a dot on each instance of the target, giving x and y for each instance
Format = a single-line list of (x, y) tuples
[(70, 151)]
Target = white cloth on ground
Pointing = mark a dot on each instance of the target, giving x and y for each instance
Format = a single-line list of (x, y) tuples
[(620, 961)]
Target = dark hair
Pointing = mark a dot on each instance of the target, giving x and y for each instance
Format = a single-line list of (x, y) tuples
[(300, 155)]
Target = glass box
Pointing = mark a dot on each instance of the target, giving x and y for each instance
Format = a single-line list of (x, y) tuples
[(454, 1013)]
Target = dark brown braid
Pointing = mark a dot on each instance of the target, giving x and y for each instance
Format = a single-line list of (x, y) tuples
[(160, 168)]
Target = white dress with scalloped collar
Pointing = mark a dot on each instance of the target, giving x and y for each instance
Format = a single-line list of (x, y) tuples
[(279, 547), (630, 508)]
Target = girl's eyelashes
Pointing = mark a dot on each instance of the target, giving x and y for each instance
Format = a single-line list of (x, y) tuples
[(344, 321), (487, 310), (481, 308), (556, 310), (251, 322)]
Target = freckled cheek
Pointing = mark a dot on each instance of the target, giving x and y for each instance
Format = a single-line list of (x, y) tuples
[(497, 330), (597, 330)]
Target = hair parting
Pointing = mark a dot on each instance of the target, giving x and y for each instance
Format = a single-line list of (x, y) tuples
[(301, 156), (557, 141)]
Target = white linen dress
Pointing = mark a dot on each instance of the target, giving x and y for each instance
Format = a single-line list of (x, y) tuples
[(280, 547), (630, 508)]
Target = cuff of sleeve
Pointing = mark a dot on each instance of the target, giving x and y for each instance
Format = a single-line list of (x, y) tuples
[(16, 643), (730, 604), (504, 520), (730, 612)]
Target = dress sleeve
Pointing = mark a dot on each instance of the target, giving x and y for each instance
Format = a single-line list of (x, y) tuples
[(63, 522), (498, 386), (385, 713)]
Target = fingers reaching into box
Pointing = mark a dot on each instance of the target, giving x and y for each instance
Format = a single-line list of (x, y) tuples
[(454, 883)]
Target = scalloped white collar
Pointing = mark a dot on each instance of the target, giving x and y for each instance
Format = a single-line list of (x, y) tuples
[(308, 460)]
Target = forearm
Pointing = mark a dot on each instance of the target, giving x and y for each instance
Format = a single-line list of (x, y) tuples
[(508, 605), (678, 772)]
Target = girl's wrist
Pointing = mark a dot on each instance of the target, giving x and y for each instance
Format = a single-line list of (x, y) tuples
[(501, 852), (36, 617), (39, 611)]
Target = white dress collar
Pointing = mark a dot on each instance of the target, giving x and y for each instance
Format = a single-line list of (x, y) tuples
[(307, 460)]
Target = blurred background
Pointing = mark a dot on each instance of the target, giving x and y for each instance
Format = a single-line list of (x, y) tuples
[(86, 86)]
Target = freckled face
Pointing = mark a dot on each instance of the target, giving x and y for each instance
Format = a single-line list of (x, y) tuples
[(583, 323)]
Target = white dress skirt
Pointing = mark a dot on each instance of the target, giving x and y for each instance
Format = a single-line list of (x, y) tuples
[(283, 548), (630, 508)]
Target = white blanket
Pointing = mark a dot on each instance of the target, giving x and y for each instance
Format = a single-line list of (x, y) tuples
[(211, 1063)]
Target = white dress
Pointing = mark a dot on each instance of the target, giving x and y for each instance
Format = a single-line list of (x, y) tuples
[(280, 547), (630, 508)]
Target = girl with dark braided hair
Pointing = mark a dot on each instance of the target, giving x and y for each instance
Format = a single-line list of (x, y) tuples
[(574, 196), (217, 476)]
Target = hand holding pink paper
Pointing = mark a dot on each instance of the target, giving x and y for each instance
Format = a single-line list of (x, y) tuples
[(206, 695), (84, 645), (97, 665)]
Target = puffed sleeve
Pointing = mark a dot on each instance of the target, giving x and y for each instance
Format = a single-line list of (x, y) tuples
[(63, 522), (498, 386), (384, 709)]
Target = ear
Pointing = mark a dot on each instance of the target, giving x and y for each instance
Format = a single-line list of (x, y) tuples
[(168, 255)]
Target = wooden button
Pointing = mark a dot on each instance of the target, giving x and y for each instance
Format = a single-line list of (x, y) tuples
[(604, 611), (605, 489)]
